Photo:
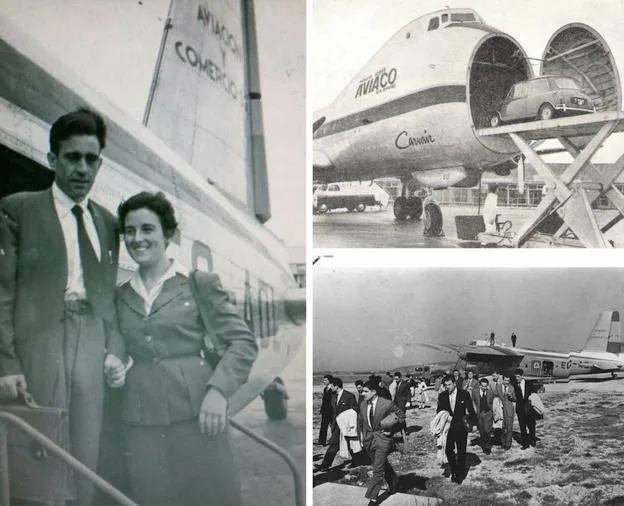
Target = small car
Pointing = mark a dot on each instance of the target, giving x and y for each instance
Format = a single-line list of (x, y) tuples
[(543, 98)]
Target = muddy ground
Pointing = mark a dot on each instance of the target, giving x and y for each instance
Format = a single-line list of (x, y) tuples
[(578, 459)]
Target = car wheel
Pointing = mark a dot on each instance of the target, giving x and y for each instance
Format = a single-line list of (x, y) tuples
[(546, 111), (400, 208), (495, 121), (323, 208), (360, 208)]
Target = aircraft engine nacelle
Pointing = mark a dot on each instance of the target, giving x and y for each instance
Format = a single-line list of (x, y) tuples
[(417, 104)]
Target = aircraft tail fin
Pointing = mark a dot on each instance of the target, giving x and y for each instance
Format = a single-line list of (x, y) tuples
[(605, 336)]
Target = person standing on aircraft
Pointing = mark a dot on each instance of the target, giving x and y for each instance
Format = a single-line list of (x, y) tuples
[(492, 339), (513, 339), (59, 266), (508, 398), (483, 399), (175, 400), (342, 401), (459, 404), (523, 409), (327, 410), (381, 418)]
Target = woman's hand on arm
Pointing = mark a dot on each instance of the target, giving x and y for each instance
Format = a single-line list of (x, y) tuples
[(213, 413)]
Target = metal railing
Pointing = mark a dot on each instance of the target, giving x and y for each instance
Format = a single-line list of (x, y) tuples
[(107, 488)]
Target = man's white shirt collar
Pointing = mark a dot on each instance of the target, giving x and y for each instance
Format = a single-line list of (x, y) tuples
[(64, 203)]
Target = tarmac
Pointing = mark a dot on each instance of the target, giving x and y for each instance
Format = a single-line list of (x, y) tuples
[(333, 494), (377, 228), (265, 477)]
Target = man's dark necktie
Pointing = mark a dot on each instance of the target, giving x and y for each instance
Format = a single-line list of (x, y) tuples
[(88, 259), (484, 404)]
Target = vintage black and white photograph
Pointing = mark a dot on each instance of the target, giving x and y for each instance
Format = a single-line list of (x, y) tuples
[(490, 125), (152, 252), (466, 385)]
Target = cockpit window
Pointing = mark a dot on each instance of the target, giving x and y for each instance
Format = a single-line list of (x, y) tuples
[(462, 16), (434, 23), (444, 18)]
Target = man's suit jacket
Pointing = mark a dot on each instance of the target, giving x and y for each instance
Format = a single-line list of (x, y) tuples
[(402, 394), (463, 405), (508, 398), (375, 434), (327, 408), (34, 277), (347, 401), (528, 390), (169, 378), (476, 398)]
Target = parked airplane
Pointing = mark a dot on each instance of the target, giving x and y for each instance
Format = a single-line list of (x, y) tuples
[(217, 233), (602, 353), (414, 110)]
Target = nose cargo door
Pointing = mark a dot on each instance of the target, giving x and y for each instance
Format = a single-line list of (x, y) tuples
[(578, 51)]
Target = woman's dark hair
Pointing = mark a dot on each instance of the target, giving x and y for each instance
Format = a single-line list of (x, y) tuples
[(155, 202), (80, 122)]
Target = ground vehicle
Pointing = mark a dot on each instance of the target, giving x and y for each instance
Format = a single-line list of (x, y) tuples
[(542, 98), (350, 196)]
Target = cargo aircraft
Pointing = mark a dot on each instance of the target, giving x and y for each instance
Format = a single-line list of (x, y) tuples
[(602, 353), (415, 109)]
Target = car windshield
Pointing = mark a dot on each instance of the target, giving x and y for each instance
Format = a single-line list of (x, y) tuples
[(566, 83)]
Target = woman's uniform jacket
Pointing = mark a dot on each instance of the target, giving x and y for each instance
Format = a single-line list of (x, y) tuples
[(170, 375)]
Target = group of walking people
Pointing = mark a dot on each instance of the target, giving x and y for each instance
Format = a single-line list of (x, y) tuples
[(486, 403), (67, 333)]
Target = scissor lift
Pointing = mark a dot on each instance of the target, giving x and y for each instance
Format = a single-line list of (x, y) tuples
[(574, 190)]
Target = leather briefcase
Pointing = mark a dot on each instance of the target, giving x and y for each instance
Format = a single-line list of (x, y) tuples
[(34, 473)]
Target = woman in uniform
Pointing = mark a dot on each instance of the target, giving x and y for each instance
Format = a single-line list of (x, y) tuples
[(174, 403)]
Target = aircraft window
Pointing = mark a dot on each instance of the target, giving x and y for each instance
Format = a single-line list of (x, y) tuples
[(434, 23), (444, 18), (462, 16), (201, 256), (538, 86), (318, 123), (333, 188)]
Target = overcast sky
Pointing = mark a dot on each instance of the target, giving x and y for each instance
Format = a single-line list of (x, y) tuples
[(341, 48), (113, 45), (371, 317)]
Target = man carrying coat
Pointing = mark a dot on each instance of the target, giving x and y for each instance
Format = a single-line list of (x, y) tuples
[(381, 418), (459, 404), (58, 269)]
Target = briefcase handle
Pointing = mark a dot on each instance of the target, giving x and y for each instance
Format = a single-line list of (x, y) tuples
[(29, 400)]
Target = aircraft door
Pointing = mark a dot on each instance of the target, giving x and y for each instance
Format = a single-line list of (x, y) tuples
[(547, 368)]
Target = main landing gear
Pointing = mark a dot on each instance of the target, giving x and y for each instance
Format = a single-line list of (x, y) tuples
[(415, 207)]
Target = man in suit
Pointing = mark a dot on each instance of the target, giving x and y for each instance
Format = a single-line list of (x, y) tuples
[(523, 409), (471, 384), (459, 380), (508, 396), (327, 410), (459, 404), (402, 392), (342, 401), (381, 418), (56, 299), (483, 399)]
